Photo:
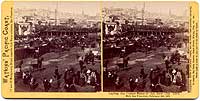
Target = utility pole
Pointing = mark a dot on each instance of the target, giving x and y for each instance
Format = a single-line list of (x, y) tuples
[(143, 9), (56, 11)]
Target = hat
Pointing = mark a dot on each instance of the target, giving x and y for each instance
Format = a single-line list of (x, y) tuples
[(173, 71), (136, 80), (88, 71), (67, 85), (130, 79), (152, 84), (51, 80)]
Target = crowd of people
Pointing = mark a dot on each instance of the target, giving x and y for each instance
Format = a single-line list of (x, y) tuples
[(141, 42), (68, 78), (68, 40), (71, 79), (35, 46), (158, 76)]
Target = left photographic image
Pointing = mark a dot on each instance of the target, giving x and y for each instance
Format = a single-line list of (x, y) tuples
[(57, 46)]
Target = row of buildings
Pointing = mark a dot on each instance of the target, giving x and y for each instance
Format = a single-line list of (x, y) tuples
[(141, 17), (26, 20)]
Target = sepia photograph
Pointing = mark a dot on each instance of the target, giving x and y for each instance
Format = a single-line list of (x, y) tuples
[(57, 46), (145, 46), (90, 49)]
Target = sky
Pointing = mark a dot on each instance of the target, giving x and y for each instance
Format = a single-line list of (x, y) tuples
[(163, 7), (92, 8)]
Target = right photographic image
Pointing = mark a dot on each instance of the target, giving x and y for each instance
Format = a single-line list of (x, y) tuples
[(145, 46)]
